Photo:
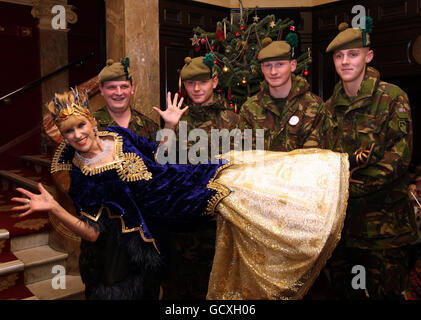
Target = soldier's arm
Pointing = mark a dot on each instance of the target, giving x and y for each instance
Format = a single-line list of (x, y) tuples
[(392, 156), (151, 128), (244, 118), (317, 136), (246, 122)]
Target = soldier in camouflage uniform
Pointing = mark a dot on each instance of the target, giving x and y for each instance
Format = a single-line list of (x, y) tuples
[(117, 88), (192, 252), (208, 110), (365, 113), (284, 107)]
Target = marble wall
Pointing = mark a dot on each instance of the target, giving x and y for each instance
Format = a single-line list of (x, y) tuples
[(133, 31)]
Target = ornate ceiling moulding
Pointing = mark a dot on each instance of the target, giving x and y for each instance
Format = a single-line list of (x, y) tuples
[(53, 15)]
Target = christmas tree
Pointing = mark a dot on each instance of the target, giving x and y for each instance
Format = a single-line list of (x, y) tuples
[(235, 48)]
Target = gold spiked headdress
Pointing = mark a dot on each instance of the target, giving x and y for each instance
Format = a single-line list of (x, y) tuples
[(78, 107)]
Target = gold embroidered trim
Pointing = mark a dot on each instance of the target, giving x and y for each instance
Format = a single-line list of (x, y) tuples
[(129, 166), (221, 191), (124, 229), (55, 166), (132, 168)]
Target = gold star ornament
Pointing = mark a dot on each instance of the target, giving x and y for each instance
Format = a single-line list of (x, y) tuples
[(194, 40)]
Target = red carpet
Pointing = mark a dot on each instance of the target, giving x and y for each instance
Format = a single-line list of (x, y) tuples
[(12, 287), (5, 254), (9, 220)]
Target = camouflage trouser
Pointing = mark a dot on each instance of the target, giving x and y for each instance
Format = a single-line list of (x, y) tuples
[(190, 263), (386, 273)]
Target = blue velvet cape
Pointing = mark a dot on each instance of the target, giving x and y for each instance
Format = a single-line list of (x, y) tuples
[(138, 190)]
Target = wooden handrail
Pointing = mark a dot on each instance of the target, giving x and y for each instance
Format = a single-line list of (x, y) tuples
[(40, 80)]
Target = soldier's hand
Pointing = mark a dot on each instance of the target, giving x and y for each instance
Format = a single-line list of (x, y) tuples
[(359, 159), (363, 156), (173, 113)]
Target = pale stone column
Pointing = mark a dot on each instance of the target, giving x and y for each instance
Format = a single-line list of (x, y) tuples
[(133, 31), (53, 46)]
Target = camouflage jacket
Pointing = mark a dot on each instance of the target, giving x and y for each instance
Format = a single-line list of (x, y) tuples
[(139, 123), (214, 116), (379, 214), (295, 128)]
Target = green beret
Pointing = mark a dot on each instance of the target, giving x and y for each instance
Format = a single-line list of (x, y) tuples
[(349, 38), (274, 50), (115, 71), (199, 68)]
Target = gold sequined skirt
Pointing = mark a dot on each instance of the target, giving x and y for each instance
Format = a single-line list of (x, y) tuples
[(280, 223)]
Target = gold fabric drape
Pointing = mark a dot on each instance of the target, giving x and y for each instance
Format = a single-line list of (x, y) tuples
[(280, 223)]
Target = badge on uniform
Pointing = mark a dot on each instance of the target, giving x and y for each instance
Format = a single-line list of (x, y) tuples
[(293, 120), (403, 113), (403, 126)]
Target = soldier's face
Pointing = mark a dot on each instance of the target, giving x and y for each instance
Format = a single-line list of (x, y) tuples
[(201, 91), (117, 94), (278, 73), (350, 63)]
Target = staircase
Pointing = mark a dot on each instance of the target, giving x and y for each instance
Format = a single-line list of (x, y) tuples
[(30, 268)]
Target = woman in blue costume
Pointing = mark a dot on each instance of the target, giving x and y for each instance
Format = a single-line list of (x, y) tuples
[(124, 199)]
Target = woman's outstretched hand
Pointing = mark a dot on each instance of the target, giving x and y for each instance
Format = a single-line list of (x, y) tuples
[(34, 202), (173, 113)]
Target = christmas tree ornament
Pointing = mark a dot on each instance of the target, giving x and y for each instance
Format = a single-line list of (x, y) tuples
[(272, 24), (237, 34), (306, 73), (225, 69), (244, 81), (219, 35), (203, 41), (194, 40), (292, 28), (256, 18), (242, 28)]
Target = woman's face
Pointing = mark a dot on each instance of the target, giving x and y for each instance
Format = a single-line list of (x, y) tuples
[(79, 132)]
